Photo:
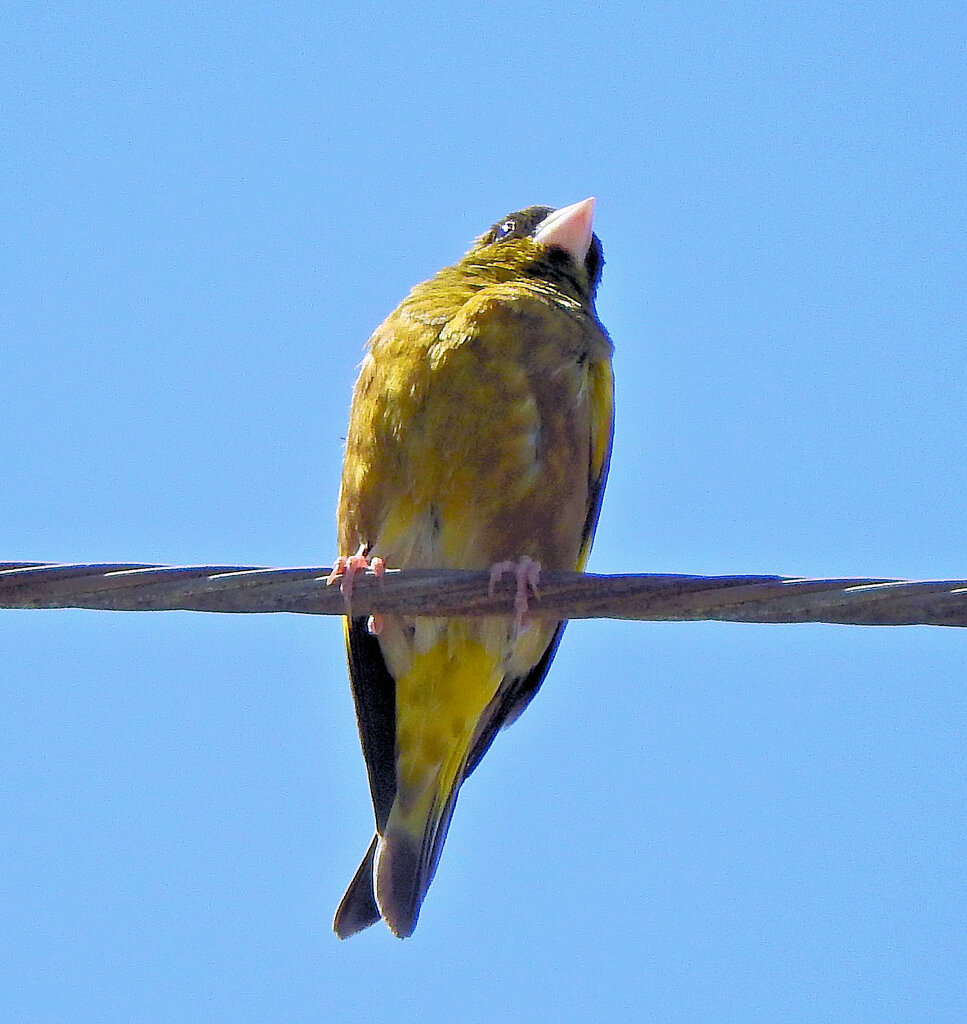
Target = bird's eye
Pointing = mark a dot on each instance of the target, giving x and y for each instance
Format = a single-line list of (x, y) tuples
[(505, 229)]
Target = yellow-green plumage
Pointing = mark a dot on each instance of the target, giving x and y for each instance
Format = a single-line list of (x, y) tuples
[(480, 432)]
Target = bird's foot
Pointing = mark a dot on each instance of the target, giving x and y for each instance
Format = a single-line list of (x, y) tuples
[(346, 568), (527, 573)]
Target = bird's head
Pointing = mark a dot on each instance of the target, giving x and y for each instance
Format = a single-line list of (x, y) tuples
[(558, 246)]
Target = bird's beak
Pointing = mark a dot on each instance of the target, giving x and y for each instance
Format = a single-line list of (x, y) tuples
[(569, 229)]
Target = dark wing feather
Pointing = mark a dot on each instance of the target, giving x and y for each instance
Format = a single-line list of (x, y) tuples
[(357, 909), (374, 693), (510, 702)]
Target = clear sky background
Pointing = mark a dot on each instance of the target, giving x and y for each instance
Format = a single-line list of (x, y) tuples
[(205, 209)]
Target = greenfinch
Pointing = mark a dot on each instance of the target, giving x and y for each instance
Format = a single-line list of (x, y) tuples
[(479, 437)]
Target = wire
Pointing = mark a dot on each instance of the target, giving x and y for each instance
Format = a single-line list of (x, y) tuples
[(442, 592)]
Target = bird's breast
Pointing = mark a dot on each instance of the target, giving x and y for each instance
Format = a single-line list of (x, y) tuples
[(485, 428)]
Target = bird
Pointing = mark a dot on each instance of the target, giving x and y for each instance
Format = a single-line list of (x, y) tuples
[(479, 437)]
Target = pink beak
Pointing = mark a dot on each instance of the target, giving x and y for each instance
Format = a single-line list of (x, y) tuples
[(569, 229)]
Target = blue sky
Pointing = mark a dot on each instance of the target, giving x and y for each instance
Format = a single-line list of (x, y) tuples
[(205, 210)]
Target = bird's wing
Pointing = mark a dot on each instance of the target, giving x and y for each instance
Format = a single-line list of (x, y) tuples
[(374, 694), (516, 694)]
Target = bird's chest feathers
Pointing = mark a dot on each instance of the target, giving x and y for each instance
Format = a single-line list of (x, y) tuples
[(486, 428)]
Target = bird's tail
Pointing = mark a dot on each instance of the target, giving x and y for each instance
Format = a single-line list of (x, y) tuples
[(408, 853), (397, 869), (443, 705)]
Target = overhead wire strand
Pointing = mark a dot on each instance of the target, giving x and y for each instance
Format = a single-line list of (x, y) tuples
[(445, 592)]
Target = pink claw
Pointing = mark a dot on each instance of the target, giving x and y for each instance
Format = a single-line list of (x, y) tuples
[(527, 573), (347, 567)]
